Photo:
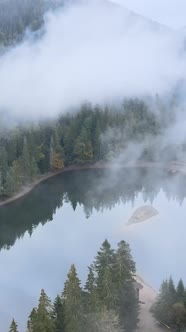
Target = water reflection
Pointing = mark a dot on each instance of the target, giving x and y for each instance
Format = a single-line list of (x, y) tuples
[(79, 210), (93, 189)]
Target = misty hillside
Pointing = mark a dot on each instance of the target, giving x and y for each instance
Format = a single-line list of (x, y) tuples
[(96, 51), (18, 15)]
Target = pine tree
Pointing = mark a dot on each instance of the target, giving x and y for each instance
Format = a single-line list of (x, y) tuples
[(42, 321), (13, 326), (26, 160), (58, 315), (159, 309), (126, 300), (124, 264), (56, 153), (108, 289), (162, 309), (103, 260), (13, 179), (91, 290), (178, 318), (10, 185), (180, 290), (83, 149), (3, 163), (73, 303), (1, 185), (33, 168), (32, 320), (172, 291)]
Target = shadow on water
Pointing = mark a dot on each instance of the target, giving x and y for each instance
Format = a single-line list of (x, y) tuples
[(94, 189)]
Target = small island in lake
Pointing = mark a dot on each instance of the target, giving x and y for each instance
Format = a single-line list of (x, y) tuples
[(143, 213)]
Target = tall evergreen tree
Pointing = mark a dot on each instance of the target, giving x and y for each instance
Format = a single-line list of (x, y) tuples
[(127, 304), (58, 315), (3, 163), (42, 321), (103, 260), (10, 185), (32, 320), (172, 291), (180, 291), (13, 326), (1, 185), (73, 303), (26, 160), (92, 299)]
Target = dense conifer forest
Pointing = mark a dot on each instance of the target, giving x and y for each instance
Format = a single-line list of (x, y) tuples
[(19, 16), (130, 131), (92, 133), (88, 134), (170, 307), (107, 302)]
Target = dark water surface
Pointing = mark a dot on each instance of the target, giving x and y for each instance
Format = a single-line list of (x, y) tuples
[(65, 220)]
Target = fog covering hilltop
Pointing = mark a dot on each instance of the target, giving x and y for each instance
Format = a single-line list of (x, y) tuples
[(16, 16), (85, 50)]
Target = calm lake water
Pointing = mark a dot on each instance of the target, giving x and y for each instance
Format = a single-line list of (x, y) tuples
[(66, 219)]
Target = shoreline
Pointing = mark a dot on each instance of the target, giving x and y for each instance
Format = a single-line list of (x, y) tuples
[(173, 167)]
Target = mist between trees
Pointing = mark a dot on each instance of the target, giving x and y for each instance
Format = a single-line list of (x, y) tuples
[(170, 306), (120, 134), (17, 16), (107, 302)]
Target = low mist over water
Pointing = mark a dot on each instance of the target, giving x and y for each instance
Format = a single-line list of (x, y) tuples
[(65, 220)]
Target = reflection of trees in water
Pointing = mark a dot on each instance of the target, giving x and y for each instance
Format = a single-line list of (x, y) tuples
[(93, 189)]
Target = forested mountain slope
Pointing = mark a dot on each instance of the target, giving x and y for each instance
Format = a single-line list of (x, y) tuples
[(18, 15)]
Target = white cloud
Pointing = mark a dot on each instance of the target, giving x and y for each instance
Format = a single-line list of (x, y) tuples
[(91, 51)]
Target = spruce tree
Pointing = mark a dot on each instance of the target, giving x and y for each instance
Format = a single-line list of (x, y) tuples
[(1, 185), (172, 291), (103, 260), (13, 326), (159, 308), (127, 305), (10, 185), (92, 300), (180, 290), (73, 303), (3, 163), (26, 160), (42, 321), (32, 320), (58, 315), (108, 289), (178, 319), (33, 169)]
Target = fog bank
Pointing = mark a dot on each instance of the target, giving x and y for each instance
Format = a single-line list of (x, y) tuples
[(93, 50)]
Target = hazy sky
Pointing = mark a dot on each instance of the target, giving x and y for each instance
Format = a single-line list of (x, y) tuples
[(169, 12)]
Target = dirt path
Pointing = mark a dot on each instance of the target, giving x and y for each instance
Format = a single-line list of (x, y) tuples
[(147, 322)]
